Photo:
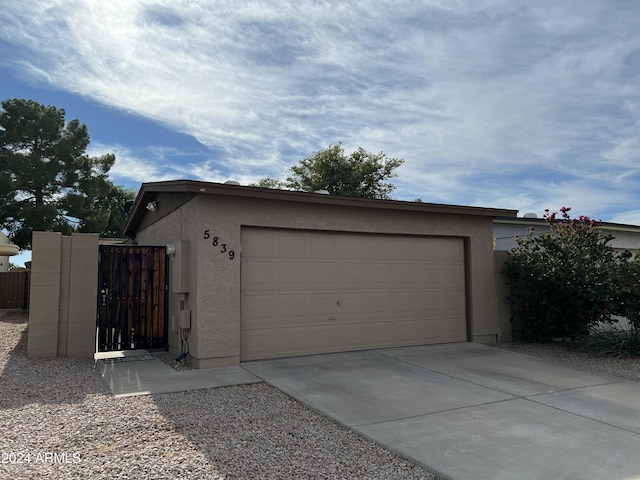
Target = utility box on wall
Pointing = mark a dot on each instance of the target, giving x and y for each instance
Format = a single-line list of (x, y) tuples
[(180, 267)]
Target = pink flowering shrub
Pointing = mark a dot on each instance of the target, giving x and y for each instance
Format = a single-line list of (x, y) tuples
[(568, 279)]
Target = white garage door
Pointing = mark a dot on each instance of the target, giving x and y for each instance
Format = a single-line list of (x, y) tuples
[(309, 292)]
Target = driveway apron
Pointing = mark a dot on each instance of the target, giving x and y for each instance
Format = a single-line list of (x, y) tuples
[(470, 411)]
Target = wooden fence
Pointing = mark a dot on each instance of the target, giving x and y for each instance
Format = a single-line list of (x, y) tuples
[(14, 289)]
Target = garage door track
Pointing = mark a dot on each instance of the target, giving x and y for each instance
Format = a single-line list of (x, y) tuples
[(470, 411)]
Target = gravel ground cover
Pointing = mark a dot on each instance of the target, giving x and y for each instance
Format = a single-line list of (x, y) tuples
[(58, 419), (570, 354)]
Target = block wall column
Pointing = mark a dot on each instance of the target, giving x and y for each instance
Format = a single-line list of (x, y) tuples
[(44, 302), (83, 289)]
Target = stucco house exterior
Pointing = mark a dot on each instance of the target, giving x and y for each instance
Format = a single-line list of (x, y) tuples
[(506, 228), (260, 273)]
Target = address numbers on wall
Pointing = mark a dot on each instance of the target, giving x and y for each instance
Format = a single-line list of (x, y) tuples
[(218, 243)]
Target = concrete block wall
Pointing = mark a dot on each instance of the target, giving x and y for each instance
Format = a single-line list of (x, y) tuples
[(64, 285)]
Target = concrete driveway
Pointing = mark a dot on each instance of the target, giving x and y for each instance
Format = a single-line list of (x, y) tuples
[(469, 411)]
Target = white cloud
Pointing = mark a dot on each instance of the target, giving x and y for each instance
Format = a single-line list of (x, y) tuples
[(490, 102)]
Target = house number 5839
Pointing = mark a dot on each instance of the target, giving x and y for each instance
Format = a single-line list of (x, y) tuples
[(217, 242)]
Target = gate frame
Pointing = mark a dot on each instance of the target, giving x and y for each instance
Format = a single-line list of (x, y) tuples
[(164, 285)]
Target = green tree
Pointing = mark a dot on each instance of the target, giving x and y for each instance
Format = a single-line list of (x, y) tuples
[(569, 279), (47, 181), (114, 203), (359, 174), (271, 183)]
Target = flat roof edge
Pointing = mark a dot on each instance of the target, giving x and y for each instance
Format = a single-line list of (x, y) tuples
[(149, 189)]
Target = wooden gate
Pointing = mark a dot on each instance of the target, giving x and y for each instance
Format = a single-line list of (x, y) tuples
[(132, 298), (14, 289)]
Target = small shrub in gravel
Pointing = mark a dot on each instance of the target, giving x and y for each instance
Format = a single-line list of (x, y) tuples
[(613, 341)]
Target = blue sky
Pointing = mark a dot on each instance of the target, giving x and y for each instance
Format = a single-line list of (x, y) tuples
[(496, 103)]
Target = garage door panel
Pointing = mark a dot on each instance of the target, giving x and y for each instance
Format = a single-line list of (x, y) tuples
[(406, 302), (261, 243), (453, 302), (430, 273), (379, 248), (452, 274), (324, 337), (293, 273), (407, 331), (405, 273), (381, 333), (450, 329), (379, 273), (426, 330), (323, 273), (291, 244), (322, 304), (442, 249), (353, 273), (354, 336), (257, 273), (257, 343), (402, 248), (380, 303), (312, 292), (323, 245), (292, 306), (353, 303), (350, 246), (292, 339), (430, 302), (259, 308)]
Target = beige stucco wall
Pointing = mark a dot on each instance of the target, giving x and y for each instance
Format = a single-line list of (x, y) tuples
[(180, 225), (502, 297), (214, 297), (62, 304)]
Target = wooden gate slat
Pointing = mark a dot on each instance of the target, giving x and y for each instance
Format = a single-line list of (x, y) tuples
[(135, 278), (13, 289)]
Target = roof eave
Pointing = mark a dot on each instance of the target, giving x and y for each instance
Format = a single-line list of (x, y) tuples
[(149, 190)]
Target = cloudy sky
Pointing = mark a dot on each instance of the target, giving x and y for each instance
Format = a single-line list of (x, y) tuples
[(496, 103)]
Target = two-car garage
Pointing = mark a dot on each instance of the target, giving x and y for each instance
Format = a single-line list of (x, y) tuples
[(264, 273), (305, 292)]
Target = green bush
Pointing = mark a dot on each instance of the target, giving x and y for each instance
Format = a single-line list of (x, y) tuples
[(613, 341), (569, 280)]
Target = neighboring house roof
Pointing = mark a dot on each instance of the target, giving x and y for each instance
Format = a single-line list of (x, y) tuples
[(189, 188), (505, 228)]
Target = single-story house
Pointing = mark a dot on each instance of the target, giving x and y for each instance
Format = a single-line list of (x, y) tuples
[(505, 230), (261, 273)]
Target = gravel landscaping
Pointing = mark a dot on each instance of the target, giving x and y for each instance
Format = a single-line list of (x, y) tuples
[(59, 420), (568, 353)]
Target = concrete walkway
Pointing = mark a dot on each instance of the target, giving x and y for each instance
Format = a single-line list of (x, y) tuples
[(469, 411), (143, 374)]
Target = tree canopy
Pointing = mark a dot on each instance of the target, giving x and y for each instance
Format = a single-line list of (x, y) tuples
[(359, 174), (47, 181)]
